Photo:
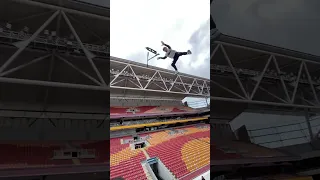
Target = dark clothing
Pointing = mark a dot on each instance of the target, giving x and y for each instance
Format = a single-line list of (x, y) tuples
[(175, 59), (167, 45)]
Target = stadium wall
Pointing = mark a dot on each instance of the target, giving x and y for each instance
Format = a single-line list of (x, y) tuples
[(127, 132), (151, 172), (143, 102), (164, 173), (275, 131), (262, 120), (221, 131)]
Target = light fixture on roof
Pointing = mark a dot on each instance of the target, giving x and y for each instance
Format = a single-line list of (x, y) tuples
[(26, 29), (46, 32), (53, 33), (8, 26)]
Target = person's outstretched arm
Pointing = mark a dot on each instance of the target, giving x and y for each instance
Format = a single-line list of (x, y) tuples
[(164, 57), (165, 44)]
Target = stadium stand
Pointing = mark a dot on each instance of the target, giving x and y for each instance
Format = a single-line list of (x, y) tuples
[(183, 151), (29, 154), (125, 162), (149, 110), (145, 133)]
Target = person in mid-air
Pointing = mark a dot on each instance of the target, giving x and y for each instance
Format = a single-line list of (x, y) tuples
[(172, 54)]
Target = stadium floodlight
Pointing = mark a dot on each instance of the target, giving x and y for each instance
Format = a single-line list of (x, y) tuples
[(8, 26), (153, 52), (26, 29), (46, 32)]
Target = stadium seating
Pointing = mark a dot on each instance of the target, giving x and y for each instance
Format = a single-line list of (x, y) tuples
[(148, 110), (100, 151), (30, 154), (189, 151), (12, 154), (130, 169), (125, 162), (183, 151)]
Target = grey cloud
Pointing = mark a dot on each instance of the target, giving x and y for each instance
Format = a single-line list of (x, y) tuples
[(198, 45), (198, 37), (140, 57), (279, 23)]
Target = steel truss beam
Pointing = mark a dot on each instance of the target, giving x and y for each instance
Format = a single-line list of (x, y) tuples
[(23, 43), (43, 42), (259, 76), (64, 120), (49, 123), (53, 7), (88, 54), (149, 79)]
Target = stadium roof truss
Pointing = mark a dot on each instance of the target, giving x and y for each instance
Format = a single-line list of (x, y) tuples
[(248, 72), (23, 41), (128, 75)]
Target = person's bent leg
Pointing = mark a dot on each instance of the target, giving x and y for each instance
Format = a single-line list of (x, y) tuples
[(182, 53), (173, 64)]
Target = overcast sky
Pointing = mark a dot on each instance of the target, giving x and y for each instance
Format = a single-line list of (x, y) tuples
[(183, 24), (292, 24)]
